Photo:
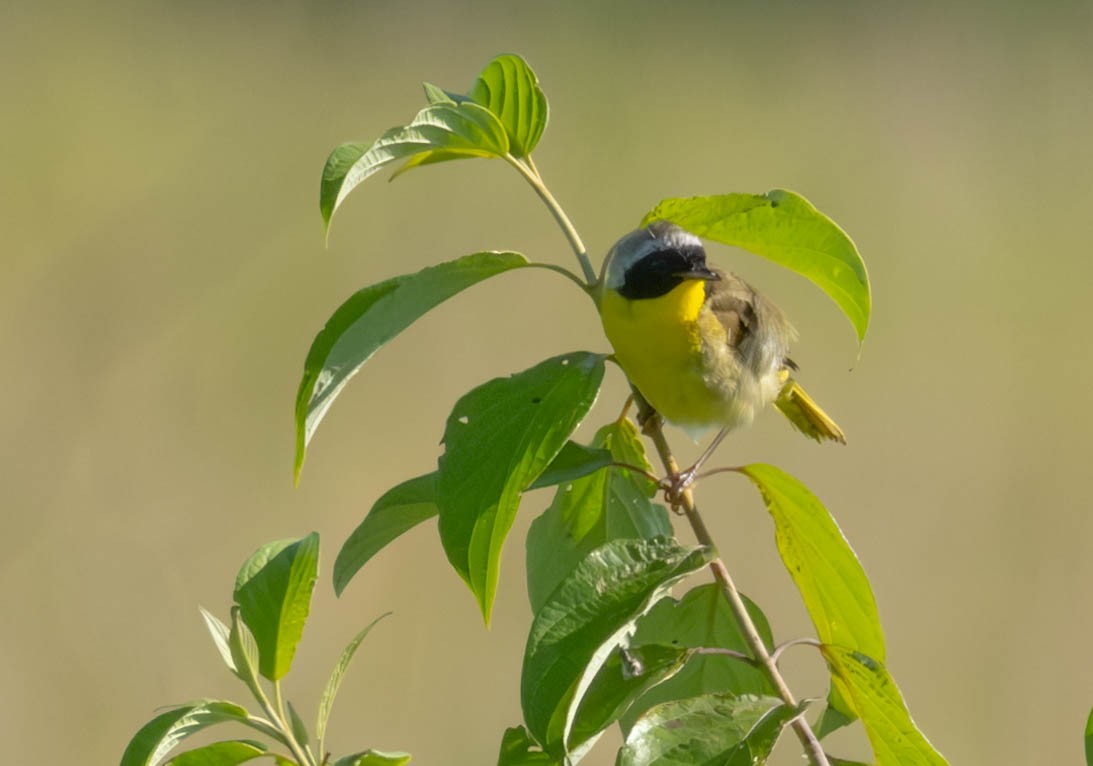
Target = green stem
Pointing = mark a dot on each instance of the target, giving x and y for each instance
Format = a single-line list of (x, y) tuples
[(531, 175), (276, 712), (564, 272)]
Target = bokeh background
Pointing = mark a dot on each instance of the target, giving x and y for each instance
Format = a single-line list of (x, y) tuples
[(164, 274)]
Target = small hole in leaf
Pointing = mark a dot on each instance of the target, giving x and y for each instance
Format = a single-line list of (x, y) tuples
[(464, 419), (565, 362)]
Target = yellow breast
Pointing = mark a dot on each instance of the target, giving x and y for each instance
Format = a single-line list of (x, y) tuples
[(658, 344)]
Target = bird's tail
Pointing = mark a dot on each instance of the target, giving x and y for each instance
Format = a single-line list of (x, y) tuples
[(805, 415)]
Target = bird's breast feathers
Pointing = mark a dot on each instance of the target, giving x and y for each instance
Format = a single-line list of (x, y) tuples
[(675, 351)]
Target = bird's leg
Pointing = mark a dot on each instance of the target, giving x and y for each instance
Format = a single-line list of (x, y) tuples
[(675, 486)]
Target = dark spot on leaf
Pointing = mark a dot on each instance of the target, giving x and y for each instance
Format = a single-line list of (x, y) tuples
[(774, 203), (536, 399)]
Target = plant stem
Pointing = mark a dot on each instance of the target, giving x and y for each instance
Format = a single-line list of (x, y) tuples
[(763, 660), (276, 712), (531, 174)]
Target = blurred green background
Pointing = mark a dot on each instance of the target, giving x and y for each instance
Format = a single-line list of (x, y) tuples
[(164, 274)]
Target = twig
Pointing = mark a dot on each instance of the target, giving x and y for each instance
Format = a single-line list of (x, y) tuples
[(763, 659)]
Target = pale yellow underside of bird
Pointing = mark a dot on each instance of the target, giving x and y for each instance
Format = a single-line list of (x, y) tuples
[(675, 351)]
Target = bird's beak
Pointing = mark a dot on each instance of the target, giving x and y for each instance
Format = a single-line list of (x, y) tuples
[(698, 273)]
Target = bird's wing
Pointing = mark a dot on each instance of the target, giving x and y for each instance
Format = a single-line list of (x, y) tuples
[(732, 301)]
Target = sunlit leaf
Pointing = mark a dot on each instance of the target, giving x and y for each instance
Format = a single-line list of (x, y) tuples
[(702, 618), (273, 590), (784, 227), (463, 130), (726, 730), (498, 439), (228, 753), (612, 504), (160, 735), (509, 88), (585, 620), (865, 683), (398, 510), (244, 652), (821, 562), (220, 634), (330, 691), (371, 318)]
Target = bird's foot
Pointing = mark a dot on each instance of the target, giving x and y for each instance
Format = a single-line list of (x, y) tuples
[(676, 485)]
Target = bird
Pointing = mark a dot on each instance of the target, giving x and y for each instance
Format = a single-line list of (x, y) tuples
[(703, 347)]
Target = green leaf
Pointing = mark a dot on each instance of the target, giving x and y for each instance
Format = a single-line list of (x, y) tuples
[(371, 318), (373, 758), (244, 653), (1089, 740), (273, 590), (606, 505), (702, 618), (220, 634), (586, 617), (437, 95), (463, 130), (625, 676), (330, 691), (832, 720), (509, 88), (783, 227), (160, 735), (866, 684), (713, 729), (398, 510), (517, 749), (228, 753), (296, 723), (821, 562), (498, 439), (572, 462)]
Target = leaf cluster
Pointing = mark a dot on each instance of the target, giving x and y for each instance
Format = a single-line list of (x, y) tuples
[(272, 600)]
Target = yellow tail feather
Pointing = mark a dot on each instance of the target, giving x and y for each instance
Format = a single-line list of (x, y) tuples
[(805, 415)]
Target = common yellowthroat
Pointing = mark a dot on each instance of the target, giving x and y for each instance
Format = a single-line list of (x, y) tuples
[(701, 345)]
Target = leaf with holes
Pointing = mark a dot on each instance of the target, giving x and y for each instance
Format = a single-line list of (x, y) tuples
[(498, 439)]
